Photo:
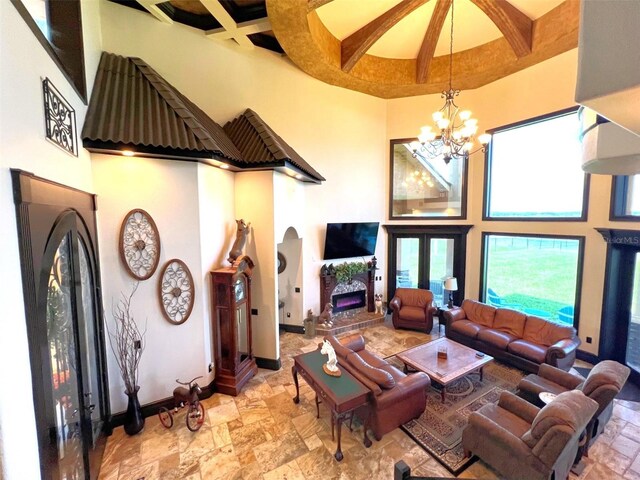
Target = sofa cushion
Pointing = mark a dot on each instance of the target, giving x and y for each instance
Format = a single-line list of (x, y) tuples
[(415, 297), (503, 417), (413, 314), (338, 347), (510, 321), (543, 332), (393, 371), (377, 375), (479, 312), (608, 373), (354, 342), (567, 409), (496, 337), (372, 359), (467, 328), (528, 350)]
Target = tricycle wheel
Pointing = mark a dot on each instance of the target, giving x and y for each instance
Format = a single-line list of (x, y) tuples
[(166, 418), (195, 416)]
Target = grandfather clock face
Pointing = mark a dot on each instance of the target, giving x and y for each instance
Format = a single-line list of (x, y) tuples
[(239, 289)]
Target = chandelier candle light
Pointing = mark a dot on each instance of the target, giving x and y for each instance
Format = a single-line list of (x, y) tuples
[(455, 130)]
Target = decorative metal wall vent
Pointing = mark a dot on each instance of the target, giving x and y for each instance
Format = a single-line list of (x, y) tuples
[(60, 119)]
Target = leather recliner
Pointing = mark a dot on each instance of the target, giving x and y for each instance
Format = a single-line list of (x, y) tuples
[(413, 308), (522, 441), (603, 383), (396, 397)]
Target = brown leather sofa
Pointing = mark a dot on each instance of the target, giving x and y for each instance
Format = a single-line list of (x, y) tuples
[(522, 441), (412, 308), (603, 383), (396, 398), (522, 340)]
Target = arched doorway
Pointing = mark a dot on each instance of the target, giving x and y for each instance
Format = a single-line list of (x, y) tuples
[(290, 282)]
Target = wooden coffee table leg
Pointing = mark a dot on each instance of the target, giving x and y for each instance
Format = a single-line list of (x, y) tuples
[(481, 368), (294, 372)]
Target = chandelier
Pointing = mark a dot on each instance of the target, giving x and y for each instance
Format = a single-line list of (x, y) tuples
[(455, 130)]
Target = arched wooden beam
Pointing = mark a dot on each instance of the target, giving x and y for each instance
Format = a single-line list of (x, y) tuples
[(356, 45), (430, 41), (313, 4), (515, 26)]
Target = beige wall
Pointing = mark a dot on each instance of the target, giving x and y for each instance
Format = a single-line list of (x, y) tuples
[(538, 90)]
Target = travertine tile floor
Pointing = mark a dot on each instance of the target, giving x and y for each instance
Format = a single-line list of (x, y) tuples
[(262, 434)]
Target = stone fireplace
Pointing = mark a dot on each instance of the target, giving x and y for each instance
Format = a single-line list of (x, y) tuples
[(352, 297)]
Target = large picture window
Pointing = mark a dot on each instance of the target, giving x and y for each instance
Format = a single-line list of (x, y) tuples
[(625, 198), (423, 187), (533, 170), (537, 275)]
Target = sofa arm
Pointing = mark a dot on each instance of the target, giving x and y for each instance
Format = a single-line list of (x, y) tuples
[(518, 406), (454, 314), (413, 383), (562, 349), (565, 379), (395, 304)]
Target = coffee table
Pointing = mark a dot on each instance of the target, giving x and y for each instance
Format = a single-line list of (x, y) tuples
[(343, 395), (461, 360)]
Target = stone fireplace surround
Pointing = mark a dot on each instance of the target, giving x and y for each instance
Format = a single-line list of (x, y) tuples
[(364, 281)]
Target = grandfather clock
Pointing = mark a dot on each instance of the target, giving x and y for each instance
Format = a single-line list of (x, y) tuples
[(231, 326)]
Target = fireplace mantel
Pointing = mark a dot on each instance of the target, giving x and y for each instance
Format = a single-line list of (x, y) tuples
[(328, 282)]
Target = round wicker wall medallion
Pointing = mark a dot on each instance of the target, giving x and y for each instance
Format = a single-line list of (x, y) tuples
[(139, 244), (176, 291)]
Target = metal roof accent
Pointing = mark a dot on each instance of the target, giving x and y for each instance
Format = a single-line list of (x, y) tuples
[(132, 104), (133, 107), (259, 144)]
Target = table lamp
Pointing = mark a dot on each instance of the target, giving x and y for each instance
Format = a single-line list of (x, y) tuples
[(451, 284)]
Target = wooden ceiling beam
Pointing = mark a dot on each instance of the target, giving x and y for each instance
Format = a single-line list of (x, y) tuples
[(249, 27), (516, 27), (228, 23), (357, 44), (313, 4), (428, 47), (152, 7)]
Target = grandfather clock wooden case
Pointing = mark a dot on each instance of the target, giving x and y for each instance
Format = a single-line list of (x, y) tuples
[(231, 326)]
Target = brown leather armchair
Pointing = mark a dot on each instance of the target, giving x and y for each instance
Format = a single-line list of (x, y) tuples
[(603, 383), (413, 308), (396, 398), (522, 441)]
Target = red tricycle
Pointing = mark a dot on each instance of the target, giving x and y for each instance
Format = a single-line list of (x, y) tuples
[(185, 396)]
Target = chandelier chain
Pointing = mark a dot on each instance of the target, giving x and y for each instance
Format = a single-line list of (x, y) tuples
[(451, 49)]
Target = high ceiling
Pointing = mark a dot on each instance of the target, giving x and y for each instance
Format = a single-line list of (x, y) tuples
[(388, 48)]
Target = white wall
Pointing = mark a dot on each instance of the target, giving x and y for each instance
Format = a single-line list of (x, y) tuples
[(23, 62), (168, 191), (538, 90), (341, 133)]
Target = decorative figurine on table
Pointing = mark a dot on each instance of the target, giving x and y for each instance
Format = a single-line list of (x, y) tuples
[(331, 367), (377, 300), (242, 231), (325, 316)]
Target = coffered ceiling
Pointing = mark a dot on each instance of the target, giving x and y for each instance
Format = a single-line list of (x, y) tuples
[(388, 48)]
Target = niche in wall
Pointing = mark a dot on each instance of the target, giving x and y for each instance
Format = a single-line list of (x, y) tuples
[(290, 278)]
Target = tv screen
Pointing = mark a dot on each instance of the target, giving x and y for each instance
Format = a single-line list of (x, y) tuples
[(346, 240)]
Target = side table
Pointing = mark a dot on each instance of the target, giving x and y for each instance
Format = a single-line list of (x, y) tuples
[(440, 314), (343, 395)]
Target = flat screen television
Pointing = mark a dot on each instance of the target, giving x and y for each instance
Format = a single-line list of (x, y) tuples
[(346, 240)]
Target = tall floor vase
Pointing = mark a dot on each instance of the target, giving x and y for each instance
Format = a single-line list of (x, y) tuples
[(133, 419)]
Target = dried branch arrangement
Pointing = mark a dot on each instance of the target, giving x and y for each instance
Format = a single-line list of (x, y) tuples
[(127, 341)]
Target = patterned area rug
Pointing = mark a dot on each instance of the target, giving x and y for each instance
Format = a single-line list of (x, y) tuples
[(439, 428)]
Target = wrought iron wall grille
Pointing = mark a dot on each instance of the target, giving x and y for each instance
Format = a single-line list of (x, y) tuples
[(60, 119)]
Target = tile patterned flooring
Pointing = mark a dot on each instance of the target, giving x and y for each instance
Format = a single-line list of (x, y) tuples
[(262, 434)]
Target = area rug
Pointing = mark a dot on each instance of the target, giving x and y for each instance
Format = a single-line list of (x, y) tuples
[(439, 429)]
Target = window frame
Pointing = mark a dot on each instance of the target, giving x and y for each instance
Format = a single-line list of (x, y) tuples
[(619, 197), (79, 84), (487, 175), (579, 270), (463, 194)]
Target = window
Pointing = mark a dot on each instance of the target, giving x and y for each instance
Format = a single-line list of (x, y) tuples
[(423, 187), (533, 170), (537, 275), (625, 198), (58, 27)]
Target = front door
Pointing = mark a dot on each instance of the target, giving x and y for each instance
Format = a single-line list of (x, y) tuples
[(63, 309)]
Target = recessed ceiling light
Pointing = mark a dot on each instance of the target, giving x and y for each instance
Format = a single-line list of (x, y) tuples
[(128, 153), (224, 165), (298, 176)]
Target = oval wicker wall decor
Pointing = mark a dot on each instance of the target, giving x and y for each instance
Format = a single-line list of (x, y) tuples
[(139, 244), (176, 291)]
